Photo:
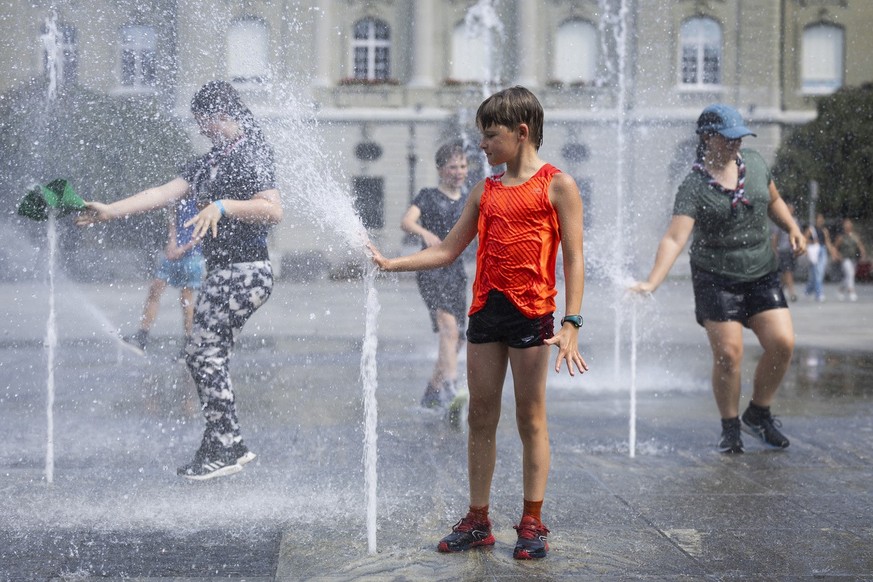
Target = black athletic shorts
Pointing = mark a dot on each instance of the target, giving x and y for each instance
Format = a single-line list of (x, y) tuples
[(501, 321), (719, 298)]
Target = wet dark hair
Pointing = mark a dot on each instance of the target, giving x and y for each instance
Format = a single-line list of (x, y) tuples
[(220, 97), (448, 151), (510, 108)]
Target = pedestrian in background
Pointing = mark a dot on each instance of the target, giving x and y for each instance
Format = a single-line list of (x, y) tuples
[(819, 249), (181, 266), (850, 250), (431, 216)]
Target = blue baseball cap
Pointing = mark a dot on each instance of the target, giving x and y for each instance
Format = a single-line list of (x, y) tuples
[(723, 119)]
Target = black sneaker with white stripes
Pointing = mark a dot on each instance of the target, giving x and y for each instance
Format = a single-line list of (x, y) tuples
[(242, 453), (212, 460), (762, 425)]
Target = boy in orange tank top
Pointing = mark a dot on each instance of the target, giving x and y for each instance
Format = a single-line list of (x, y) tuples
[(521, 217)]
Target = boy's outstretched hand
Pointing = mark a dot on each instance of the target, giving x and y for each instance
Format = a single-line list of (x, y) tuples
[(93, 213), (204, 222), (642, 287), (567, 340), (377, 257)]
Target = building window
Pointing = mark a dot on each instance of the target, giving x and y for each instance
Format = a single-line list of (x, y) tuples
[(369, 200), (700, 52), (139, 56), (371, 50), (575, 55), (822, 59), (61, 41), (248, 51)]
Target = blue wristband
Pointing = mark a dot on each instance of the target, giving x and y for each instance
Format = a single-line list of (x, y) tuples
[(220, 206)]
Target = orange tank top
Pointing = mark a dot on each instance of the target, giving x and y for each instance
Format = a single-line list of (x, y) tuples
[(519, 236)]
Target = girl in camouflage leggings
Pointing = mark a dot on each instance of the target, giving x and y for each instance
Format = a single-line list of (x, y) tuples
[(234, 186)]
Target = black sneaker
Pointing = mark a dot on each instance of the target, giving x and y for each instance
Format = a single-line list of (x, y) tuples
[(432, 398), (136, 342), (242, 453), (211, 461), (765, 427), (465, 535), (731, 442), (532, 539)]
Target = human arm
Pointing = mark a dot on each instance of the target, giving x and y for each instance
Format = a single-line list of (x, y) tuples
[(828, 243), (148, 199), (668, 251), (264, 207), (567, 202), (444, 253), (172, 250), (779, 213), (409, 223)]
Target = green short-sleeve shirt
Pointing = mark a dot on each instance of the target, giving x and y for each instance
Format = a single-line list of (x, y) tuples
[(734, 243)]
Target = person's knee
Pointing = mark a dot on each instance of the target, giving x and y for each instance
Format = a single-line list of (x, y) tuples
[(780, 344), (482, 419), (531, 421), (727, 356)]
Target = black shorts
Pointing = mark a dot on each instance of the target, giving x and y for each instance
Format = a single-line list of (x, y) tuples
[(719, 298), (501, 321)]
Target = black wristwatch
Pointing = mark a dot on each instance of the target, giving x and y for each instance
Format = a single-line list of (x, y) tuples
[(576, 320)]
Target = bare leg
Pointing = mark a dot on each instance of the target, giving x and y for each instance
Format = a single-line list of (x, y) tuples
[(153, 303), (529, 371), (486, 371), (775, 332), (446, 367), (186, 300), (726, 342)]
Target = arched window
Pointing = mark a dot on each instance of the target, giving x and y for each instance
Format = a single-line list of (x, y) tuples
[(371, 50), (700, 45), (470, 58), (248, 58), (575, 54), (139, 56), (822, 58)]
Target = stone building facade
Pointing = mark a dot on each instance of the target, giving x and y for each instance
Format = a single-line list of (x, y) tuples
[(358, 94)]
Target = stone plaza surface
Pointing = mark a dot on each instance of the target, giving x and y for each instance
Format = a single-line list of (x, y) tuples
[(676, 510)]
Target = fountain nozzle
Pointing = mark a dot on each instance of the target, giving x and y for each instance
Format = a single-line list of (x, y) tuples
[(58, 194)]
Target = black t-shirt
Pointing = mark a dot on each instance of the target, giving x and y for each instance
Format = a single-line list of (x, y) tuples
[(439, 213), (234, 171)]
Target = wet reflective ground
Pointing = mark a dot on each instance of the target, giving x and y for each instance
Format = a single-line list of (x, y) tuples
[(677, 510)]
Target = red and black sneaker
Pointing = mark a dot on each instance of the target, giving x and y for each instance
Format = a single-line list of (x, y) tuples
[(467, 534), (532, 542)]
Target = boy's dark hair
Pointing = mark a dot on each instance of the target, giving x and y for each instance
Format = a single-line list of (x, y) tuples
[(510, 108), (448, 151), (216, 97)]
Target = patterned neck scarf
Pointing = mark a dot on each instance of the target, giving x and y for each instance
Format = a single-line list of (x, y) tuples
[(738, 195)]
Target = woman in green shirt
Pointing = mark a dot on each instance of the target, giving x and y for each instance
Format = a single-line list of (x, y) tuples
[(725, 202)]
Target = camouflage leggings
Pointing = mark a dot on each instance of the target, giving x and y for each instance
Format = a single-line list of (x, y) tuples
[(228, 298)]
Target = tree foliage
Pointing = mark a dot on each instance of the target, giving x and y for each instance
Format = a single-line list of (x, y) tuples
[(836, 150)]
